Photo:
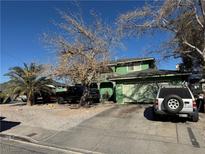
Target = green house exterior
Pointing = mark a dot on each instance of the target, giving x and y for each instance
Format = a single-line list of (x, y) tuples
[(126, 66), (121, 67), (137, 80)]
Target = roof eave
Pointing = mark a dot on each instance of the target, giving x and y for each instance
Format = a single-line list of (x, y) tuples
[(131, 78), (130, 61)]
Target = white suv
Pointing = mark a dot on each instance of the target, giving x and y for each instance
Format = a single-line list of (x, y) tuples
[(176, 101)]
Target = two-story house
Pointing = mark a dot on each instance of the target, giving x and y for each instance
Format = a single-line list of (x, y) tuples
[(136, 80)]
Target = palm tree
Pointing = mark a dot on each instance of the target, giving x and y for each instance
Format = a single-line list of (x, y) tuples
[(27, 80)]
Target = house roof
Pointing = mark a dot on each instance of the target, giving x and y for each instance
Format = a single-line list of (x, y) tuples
[(148, 73), (129, 60), (58, 84)]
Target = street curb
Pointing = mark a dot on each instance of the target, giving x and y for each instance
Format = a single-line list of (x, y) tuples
[(19, 138), (27, 140)]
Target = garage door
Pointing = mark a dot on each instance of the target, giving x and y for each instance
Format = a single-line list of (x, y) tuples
[(135, 93)]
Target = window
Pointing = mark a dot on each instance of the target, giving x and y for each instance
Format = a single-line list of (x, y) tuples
[(134, 67), (131, 68), (181, 92), (137, 67)]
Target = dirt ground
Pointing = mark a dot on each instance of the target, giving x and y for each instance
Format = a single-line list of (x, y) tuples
[(49, 116), (201, 124)]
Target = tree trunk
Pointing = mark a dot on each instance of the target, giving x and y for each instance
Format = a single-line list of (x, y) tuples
[(29, 100), (83, 99)]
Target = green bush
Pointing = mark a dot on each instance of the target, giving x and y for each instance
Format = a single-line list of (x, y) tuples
[(2, 97)]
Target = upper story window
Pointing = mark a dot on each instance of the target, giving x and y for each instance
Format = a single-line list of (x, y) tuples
[(131, 68), (134, 67)]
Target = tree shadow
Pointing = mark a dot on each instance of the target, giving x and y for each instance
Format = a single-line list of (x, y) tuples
[(142, 94), (150, 115), (19, 104), (37, 102), (1, 118), (5, 125)]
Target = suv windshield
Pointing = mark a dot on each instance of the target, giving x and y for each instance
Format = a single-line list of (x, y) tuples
[(181, 92)]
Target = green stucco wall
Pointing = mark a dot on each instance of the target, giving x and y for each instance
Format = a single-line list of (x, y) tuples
[(113, 68), (119, 94), (121, 70), (144, 66)]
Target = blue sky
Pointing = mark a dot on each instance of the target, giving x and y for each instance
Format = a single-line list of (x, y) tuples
[(23, 22)]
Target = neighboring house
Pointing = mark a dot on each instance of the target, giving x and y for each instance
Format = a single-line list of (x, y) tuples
[(59, 87), (203, 84), (136, 80)]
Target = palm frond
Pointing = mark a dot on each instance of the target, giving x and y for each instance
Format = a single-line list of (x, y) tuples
[(27, 80)]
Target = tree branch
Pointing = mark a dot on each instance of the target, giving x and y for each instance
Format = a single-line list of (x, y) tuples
[(197, 17), (193, 47)]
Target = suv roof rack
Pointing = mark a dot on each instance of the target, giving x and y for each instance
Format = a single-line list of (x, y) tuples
[(173, 86), (169, 85)]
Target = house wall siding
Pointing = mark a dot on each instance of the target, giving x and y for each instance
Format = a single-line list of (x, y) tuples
[(144, 66), (119, 93), (121, 70)]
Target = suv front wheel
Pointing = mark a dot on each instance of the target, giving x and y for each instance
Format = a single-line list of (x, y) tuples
[(60, 100)]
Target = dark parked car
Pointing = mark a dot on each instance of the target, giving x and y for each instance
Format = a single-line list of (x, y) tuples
[(74, 93)]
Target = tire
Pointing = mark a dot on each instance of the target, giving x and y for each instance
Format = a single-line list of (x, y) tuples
[(173, 104), (200, 105), (97, 100), (60, 100), (195, 116), (154, 114), (23, 100)]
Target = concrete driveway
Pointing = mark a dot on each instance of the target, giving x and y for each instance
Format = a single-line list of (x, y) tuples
[(132, 129)]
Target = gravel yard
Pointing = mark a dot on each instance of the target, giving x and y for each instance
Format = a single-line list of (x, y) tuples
[(51, 116)]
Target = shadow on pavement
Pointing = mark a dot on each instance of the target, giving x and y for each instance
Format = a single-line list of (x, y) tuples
[(149, 115), (18, 104), (5, 125), (1, 118)]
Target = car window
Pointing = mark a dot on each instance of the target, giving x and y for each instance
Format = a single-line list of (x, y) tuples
[(181, 92)]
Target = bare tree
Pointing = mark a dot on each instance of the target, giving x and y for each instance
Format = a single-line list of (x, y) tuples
[(83, 48), (184, 19)]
